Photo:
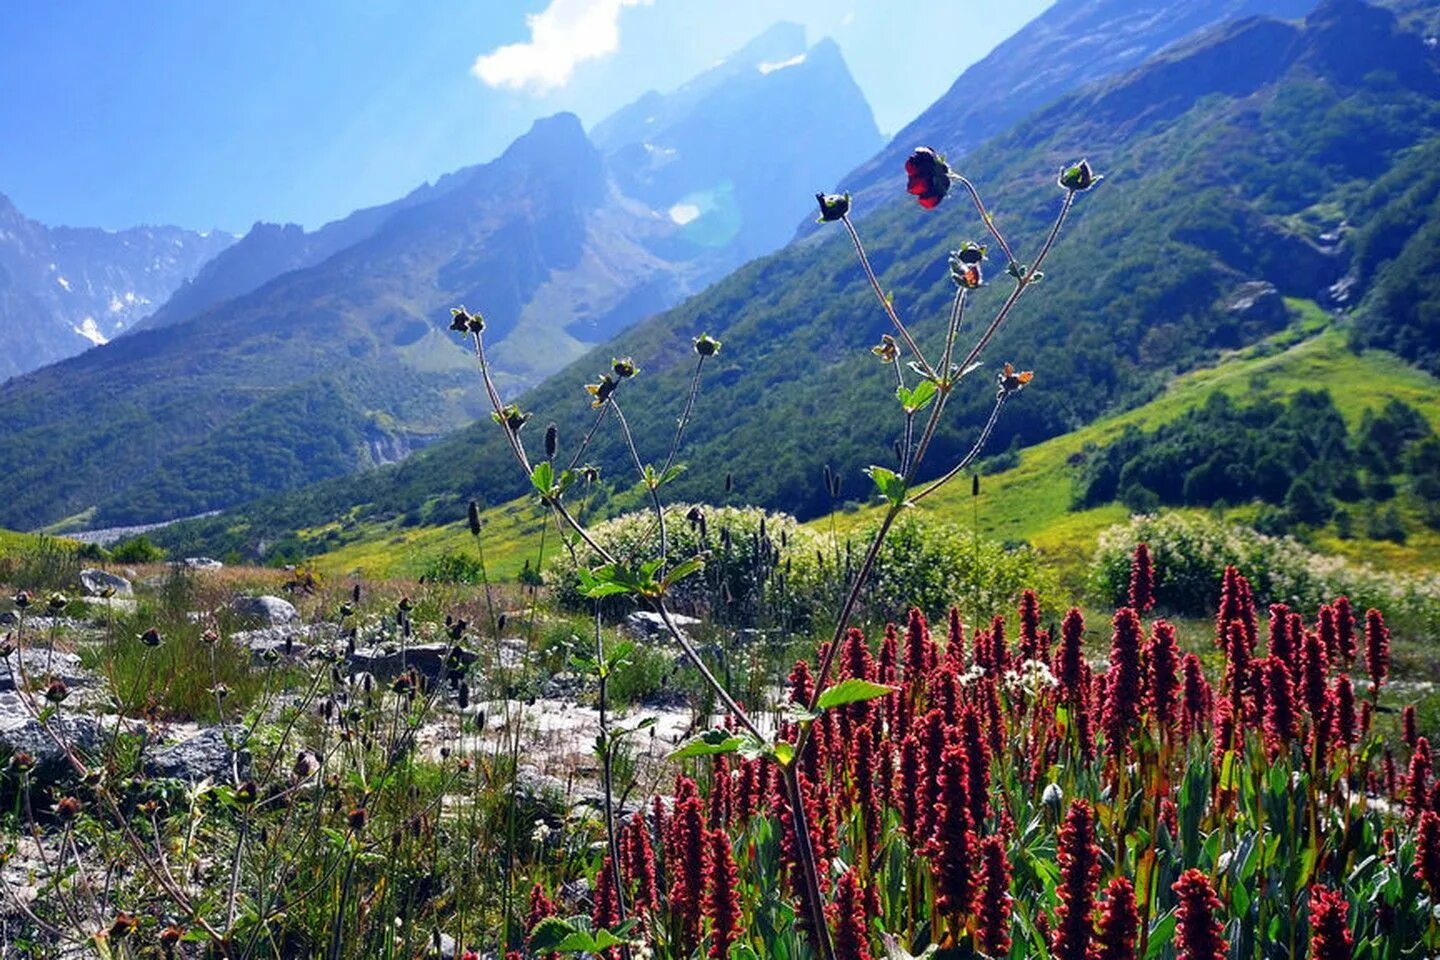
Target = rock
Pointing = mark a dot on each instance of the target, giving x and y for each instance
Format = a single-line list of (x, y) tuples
[(270, 611), (85, 734), (114, 604), (38, 662), (1259, 303), (645, 623), (97, 582), (201, 563), (204, 755), (564, 685), (431, 659), (285, 641), (513, 651)]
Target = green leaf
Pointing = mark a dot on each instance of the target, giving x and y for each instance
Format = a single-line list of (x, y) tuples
[(670, 474), (542, 477), (853, 690), (919, 397), (709, 743), (606, 581), (890, 484), (785, 753), (1162, 932), (682, 570), (549, 934)]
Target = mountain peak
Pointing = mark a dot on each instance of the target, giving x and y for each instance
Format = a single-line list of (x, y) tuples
[(780, 41)]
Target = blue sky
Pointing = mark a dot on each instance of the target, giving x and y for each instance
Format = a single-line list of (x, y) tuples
[(217, 114)]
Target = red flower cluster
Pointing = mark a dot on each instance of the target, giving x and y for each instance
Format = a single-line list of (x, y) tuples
[(1079, 859), (1142, 579), (1198, 933), (1330, 937)]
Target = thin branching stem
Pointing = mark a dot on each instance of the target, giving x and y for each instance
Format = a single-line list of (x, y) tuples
[(684, 416), (884, 300), (652, 483)]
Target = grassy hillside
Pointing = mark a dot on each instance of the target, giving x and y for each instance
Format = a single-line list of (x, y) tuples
[(1032, 500)]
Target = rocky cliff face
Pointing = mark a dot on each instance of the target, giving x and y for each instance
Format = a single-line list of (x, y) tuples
[(65, 289)]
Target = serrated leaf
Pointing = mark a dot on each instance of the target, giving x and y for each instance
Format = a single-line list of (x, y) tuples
[(549, 934), (682, 570), (709, 743), (917, 398), (853, 690), (785, 753)]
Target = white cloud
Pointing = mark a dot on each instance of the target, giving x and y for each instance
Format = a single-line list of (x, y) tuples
[(683, 213), (562, 36)]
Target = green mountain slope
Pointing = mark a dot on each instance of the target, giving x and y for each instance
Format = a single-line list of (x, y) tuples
[(1232, 162)]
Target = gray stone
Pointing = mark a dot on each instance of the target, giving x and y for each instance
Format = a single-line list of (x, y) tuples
[(513, 651), (97, 582), (205, 755), (645, 623), (38, 662), (1259, 302), (201, 563), (82, 733), (114, 604), (431, 659), (269, 611), (288, 642)]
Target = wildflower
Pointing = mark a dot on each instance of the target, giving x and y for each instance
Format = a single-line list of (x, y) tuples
[(1328, 627), (1142, 579), (541, 833), (1408, 731), (1198, 934), (57, 691), (1029, 612), (888, 349), (639, 857), (67, 809), (1427, 852), (722, 899), (624, 368), (1012, 382), (909, 784), (928, 177), (57, 602), (1345, 628), (23, 599), (170, 937), (1330, 937), (706, 345), (833, 206), (1280, 642), (1122, 704), (852, 940), (220, 691), (357, 818), (1345, 724), (1280, 723), (1070, 658), (605, 914), (919, 648), (688, 852), (1313, 670), (1161, 693), (22, 762), (1119, 922), (993, 912), (1079, 859), (1196, 691), (1079, 177), (602, 391), (967, 276), (977, 765), (511, 417), (124, 925), (1418, 782), (151, 638), (462, 321), (210, 637), (1377, 649), (969, 253), (953, 845)]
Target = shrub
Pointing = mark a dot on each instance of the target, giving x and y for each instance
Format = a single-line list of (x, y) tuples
[(136, 550), (1191, 554)]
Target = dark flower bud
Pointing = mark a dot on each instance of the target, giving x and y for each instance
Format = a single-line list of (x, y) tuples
[(1013, 381), (404, 605), (355, 593), (602, 391), (210, 636), (473, 514), (171, 936), (151, 638), (464, 695), (461, 321), (22, 761), (67, 809), (706, 345), (57, 691), (729, 481), (833, 206), (271, 655), (928, 177), (969, 252), (888, 350), (58, 602), (22, 599), (552, 441), (220, 691), (511, 418), (456, 629), (624, 368), (247, 793), (357, 818), (500, 621), (589, 473), (124, 925), (1079, 177)]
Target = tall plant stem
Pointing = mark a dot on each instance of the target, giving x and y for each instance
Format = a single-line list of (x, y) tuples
[(884, 300)]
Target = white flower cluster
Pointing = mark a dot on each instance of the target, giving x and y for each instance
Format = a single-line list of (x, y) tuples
[(1032, 678)]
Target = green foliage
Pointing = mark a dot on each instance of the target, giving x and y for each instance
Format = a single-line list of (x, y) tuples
[(138, 549), (454, 567), (40, 563)]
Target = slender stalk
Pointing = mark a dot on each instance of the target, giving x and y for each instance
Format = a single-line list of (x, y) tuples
[(884, 300), (684, 415), (652, 485)]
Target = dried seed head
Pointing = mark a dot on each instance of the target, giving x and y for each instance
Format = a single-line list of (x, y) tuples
[(124, 925), (706, 345), (511, 417), (356, 818), (833, 206), (602, 391), (58, 602), (1079, 177), (624, 368), (23, 599), (552, 441), (57, 691), (151, 638), (68, 809), (887, 350), (462, 321)]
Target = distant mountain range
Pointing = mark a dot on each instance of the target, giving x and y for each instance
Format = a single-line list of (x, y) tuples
[(295, 356), (65, 289), (1259, 160)]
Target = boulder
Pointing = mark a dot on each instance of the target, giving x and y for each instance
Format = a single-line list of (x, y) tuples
[(201, 563), (386, 663), (87, 735), (39, 662), (204, 755), (98, 582), (288, 642), (268, 611)]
